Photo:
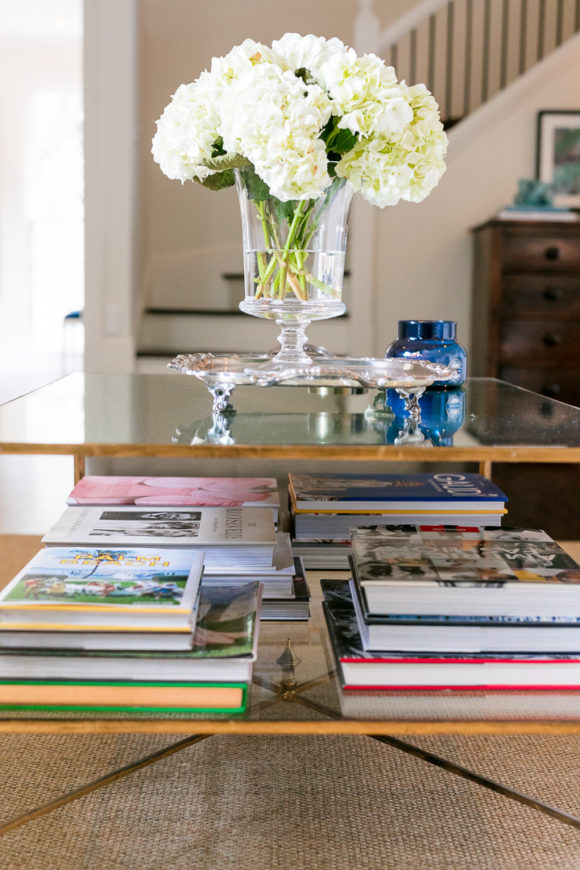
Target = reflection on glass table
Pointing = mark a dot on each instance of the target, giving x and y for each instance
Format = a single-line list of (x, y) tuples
[(440, 414), (129, 415)]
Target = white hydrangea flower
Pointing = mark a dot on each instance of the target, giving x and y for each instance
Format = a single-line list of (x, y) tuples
[(273, 119), (240, 59), (310, 52), (387, 169), (253, 103), (187, 130)]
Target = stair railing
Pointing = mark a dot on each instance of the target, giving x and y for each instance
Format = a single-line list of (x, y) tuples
[(467, 50)]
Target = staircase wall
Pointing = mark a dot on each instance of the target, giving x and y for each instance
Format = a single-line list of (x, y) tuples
[(423, 252)]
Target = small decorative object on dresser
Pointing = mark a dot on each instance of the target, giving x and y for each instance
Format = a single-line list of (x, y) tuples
[(526, 305), (303, 124)]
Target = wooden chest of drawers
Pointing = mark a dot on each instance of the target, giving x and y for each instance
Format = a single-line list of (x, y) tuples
[(526, 305)]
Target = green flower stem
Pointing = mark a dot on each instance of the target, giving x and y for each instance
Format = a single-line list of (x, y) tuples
[(286, 271)]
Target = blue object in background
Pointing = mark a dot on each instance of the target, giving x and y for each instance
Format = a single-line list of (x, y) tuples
[(433, 341), (442, 414)]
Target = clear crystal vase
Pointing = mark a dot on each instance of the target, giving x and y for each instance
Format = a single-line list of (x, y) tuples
[(294, 255)]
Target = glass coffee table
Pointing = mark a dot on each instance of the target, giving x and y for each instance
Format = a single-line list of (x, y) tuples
[(296, 689)]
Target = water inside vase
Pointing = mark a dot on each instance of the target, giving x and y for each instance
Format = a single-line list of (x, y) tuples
[(300, 278)]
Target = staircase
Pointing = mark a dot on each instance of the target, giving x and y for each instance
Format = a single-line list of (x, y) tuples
[(466, 51)]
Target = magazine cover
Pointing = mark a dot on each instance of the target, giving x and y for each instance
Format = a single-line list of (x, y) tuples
[(448, 556), (177, 526), (364, 492), (78, 578), (168, 491)]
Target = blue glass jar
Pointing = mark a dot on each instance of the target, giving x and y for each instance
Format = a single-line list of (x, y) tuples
[(433, 341)]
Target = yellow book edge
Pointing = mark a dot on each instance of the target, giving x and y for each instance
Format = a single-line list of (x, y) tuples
[(88, 608), (418, 513)]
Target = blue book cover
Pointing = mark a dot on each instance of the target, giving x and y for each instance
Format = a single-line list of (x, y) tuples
[(423, 491)]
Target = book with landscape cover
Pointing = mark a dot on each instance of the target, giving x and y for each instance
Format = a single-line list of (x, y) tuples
[(70, 588), (221, 658), (168, 491), (453, 571), (389, 669), (227, 534), (398, 493)]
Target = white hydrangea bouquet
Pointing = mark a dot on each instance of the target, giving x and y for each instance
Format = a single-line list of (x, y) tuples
[(301, 124)]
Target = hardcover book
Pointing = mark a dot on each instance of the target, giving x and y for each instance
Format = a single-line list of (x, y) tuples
[(68, 588), (176, 491), (295, 607), (450, 571), (398, 493), (395, 670), (117, 696), (334, 528), (222, 648), (228, 534)]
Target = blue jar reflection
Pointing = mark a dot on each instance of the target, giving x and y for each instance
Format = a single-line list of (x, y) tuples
[(442, 414)]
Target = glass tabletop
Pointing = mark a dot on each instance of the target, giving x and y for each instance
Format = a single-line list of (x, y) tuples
[(170, 414), (296, 690)]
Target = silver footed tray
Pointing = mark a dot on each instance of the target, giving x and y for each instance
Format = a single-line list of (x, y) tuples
[(222, 373)]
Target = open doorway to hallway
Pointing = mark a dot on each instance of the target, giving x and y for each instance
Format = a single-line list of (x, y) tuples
[(41, 191)]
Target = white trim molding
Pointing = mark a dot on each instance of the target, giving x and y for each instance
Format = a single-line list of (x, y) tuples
[(110, 97)]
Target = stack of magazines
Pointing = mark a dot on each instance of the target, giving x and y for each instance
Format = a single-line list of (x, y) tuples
[(456, 608), (125, 630), (325, 507)]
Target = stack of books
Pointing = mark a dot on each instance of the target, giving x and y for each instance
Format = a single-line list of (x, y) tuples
[(125, 630), (233, 519), (456, 608), (325, 507)]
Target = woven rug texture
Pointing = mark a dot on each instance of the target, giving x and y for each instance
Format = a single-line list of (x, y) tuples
[(275, 803)]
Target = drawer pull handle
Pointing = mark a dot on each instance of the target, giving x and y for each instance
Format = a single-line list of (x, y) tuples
[(552, 294), (552, 253), (551, 339)]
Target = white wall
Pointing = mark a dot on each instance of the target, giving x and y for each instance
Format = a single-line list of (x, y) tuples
[(423, 252)]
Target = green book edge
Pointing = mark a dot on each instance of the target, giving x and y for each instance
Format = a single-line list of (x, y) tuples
[(85, 708)]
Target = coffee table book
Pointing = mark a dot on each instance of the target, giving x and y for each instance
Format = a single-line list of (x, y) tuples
[(213, 675), (109, 589), (229, 535), (480, 573), (297, 607), (176, 491), (441, 492), (275, 577), (108, 696), (394, 670)]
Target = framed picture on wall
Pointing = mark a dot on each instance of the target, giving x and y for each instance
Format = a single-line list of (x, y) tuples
[(558, 154)]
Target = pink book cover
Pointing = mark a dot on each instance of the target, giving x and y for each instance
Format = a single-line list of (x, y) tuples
[(172, 491)]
